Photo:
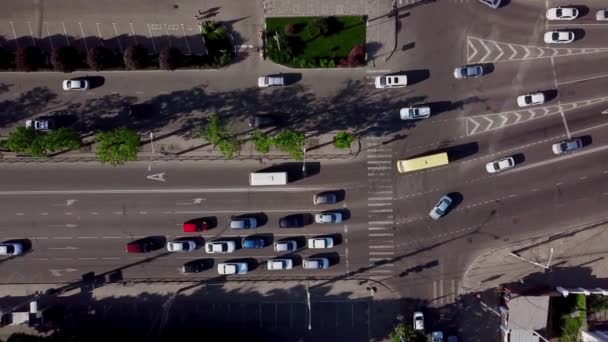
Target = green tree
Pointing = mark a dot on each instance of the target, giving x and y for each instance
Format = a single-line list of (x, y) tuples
[(62, 139), (262, 141), (290, 141), (21, 140), (342, 140), (221, 137), (213, 30), (405, 333), (118, 146)]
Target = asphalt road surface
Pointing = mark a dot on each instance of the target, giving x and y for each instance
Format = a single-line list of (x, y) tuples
[(79, 218)]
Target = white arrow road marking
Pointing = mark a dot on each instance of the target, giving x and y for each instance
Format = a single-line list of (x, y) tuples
[(499, 49), (158, 177), (527, 52), (490, 121), (65, 248), (487, 53), (514, 51), (605, 111), (70, 202), (471, 132), (195, 201), (504, 120), (542, 52), (471, 46), (546, 111), (60, 272), (518, 117), (67, 225), (555, 52)]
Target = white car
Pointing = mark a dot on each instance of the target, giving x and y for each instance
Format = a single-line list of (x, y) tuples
[(468, 71), (232, 268), (601, 15), (75, 84), (220, 247), (39, 125), (500, 165), (441, 207), (315, 263), (562, 13), (279, 264), (418, 321), (271, 81), (559, 37), (391, 81), (334, 217), (320, 242), (531, 99), (11, 248), (181, 246), (285, 246), (567, 146), (415, 113)]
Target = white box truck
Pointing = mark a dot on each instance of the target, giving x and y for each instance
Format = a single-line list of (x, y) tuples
[(267, 178)]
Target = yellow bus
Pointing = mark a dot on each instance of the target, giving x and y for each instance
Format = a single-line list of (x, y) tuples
[(433, 160)]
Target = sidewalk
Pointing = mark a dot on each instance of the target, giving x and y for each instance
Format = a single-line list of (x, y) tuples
[(176, 148), (577, 260)]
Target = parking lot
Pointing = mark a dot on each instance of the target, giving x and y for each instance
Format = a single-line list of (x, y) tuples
[(113, 35)]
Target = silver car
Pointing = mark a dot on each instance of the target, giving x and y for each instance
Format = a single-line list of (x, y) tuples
[(232, 268), (441, 207), (271, 81), (11, 248), (320, 242), (243, 223), (327, 197), (467, 71), (500, 165), (279, 264), (567, 146), (285, 246), (415, 113), (333, 217), (315, 263)]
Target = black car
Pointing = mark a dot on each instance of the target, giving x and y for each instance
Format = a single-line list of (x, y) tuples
[(197, 266), (261, 121), (294, 221)]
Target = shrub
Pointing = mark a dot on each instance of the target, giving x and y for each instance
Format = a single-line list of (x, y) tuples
[(136, 57), (223, 58), (28, 59), (290, 141), (290, 29), (100, 58), (322, 25), (118, 146), (343, 140), (356, 56), (262, 141), (213, 30), (221, 137), (170, 58)]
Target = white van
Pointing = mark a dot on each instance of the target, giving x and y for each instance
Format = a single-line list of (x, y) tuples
[(267, 178)]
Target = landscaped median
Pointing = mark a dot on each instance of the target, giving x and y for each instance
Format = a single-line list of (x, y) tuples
[(316, 42)]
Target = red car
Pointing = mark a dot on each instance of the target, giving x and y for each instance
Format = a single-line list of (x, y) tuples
[(195, 226)]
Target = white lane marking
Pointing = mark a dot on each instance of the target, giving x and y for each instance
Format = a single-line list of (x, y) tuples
[(29, 26), (561, 110), (582, 80), (65, 34), (382, 211), (378, 204), (370, 155), (112, 237), (69, 202), (44, 214), (110, 258), (377, 228), (118, 38), (152, 38), (381, 253), (382, 247), (380, 271), (157, 191), (379, 162), (83, 37), (20, 214), (247, 210), (381, 234), (380, 198), (554, 160), (381, 222), (60, 272), (69, 248)]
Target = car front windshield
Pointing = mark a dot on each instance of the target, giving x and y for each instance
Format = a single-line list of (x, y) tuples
[(528, 99), (439, 211), (559, 12), (555, 35)]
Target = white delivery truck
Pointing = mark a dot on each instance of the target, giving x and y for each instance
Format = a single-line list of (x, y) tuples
[(267, 178)]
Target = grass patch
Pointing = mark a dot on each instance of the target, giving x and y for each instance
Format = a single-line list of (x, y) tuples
[(571, 315), (313, 41)]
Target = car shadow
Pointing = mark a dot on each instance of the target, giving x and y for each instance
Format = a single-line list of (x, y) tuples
[(95, 81), (582, 10), (587, 140), (519, 158), (457, 199), (578, 33), (550, 94), (344, 211), (158, 241), (417, 76), (291, 78), (198, 240), (337, 238), (488, 68), (332, 257), (267, 237), (296, 259), (206, 263)]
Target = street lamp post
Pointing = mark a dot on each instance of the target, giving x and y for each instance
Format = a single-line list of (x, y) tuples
[(309, 308), (304, 160), (153, 152)]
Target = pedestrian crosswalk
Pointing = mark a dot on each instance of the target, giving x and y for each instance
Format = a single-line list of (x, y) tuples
[(445, 291), (381, 220)]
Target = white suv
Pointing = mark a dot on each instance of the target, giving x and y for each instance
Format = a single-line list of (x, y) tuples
[(391, 81), (279, 264)]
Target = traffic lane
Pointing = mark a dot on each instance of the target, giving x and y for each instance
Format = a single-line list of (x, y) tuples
[(578, 72), (580, 88), (185, 177)]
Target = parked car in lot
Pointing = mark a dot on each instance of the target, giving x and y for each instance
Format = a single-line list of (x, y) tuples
[(285, 246), (500, 165), (294, 221), (315, 263), (196, 266), (390, 81), (418, 321), (220, 247), (195, 226), (253, 242), (415, 113), (143, 245), (531, 99), (181, 246), (232, 268), (321, 242), (279, 264), (271, 81), (601, 15), (559, 37), (562, 13), (441, 207), (76, 84), (327, 197), (568, 145), (243, 222), (468, 71), (259, 121), (11, 248), (329, 217), (40, 124)]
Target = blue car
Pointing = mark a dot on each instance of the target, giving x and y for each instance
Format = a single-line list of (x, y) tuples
[(253, 242)]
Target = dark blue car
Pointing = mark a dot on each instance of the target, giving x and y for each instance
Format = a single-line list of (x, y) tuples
[(253, 242)]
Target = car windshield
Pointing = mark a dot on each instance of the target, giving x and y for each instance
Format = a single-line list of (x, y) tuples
[(555, 36), (223, 247), (558, 12), (10, 249), (528, 99), (496, 166), (383, 80)]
